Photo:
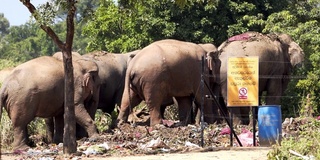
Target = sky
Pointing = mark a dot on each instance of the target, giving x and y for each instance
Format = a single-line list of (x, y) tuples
[(16, 12)]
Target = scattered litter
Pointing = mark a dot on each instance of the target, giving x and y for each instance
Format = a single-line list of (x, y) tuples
[(192, 145), (302, 156), (46, 158), (246, 138), (97, 149), (33, 152), (156, 143), (225, 130)]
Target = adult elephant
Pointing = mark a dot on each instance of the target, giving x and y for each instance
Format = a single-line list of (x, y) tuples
[(195, 115), (165, 69), (208, 47), (278, 55), (36, 89), (112, 69)]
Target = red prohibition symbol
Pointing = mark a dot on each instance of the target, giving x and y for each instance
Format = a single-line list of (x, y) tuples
[(243, 91)]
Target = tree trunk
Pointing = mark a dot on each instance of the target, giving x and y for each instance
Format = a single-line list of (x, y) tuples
[(69, 138)]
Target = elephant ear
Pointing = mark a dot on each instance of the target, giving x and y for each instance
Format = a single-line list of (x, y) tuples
[(88, 82), (214, 64), (285, 38), (295, 52), (212, 59)]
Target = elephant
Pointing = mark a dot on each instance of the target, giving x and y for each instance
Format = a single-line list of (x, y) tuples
[(195, 115), (208, 47), (278, 55), (112, 69), (36, 89), (165, 69)]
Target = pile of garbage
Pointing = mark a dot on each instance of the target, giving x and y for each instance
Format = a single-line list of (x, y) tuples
[(143, 140), (165, 138)]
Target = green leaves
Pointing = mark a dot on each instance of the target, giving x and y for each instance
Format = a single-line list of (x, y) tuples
[(127, 25)]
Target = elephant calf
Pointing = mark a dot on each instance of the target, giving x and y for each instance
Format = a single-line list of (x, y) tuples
[(36, 89)]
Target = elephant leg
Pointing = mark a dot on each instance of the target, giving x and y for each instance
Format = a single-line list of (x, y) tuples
[(223, 110), (20, 138), (167, 102), (153, 99), (80, 132), (58, 129), (237, 116), (49, 129), (155, 116), (91, 107), (127, 104), (274, 93), (185, 109), (208, 111), (244, 115), (84, 119), (197, 114), (20, 131), (162, 110)]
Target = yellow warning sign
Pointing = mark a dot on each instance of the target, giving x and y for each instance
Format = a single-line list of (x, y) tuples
[(243, 81)]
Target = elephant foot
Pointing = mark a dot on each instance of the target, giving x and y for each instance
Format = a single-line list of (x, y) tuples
[(94, 138)]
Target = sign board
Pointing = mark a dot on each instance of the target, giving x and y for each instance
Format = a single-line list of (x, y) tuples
[(243, 81)]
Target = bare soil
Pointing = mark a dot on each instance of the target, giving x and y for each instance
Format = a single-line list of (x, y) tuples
[(139, 141), (251, 153)]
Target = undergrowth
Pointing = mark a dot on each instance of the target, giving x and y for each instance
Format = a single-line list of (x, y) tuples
[(305, 143)]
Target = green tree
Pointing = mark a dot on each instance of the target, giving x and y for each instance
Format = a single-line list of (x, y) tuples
[(4, 25), (129, 24), (69, 139)]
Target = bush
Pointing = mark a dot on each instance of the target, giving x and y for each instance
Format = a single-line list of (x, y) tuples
[(103, 121), (305, 142), (6, 131)]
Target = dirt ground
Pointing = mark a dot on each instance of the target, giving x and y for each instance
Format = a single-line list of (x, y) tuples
[(165, 141), (243, 153)]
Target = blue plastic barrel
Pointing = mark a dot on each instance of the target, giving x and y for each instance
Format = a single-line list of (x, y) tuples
[(269, 124)]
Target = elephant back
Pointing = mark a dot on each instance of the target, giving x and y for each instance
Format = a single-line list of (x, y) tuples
[(59, 56), (208, 47)]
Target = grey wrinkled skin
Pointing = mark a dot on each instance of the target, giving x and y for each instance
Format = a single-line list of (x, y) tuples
[(36, 89), (166, 69)]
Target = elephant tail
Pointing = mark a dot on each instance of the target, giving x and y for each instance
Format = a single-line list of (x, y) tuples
[(129, 85), (3, 99)]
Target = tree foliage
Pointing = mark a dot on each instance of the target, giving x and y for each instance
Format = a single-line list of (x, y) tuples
[(126, 25)]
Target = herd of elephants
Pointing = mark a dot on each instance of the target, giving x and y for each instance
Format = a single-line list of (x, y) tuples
[(160, 74)]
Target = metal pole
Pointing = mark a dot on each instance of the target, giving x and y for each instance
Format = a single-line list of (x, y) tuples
[(254, 125), (231, 127), (224, 114), (202, 101)]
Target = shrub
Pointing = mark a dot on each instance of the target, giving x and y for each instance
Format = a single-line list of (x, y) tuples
[(305, 142)]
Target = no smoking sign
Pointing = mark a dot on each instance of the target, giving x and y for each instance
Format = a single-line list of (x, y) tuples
[(243, 93)]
